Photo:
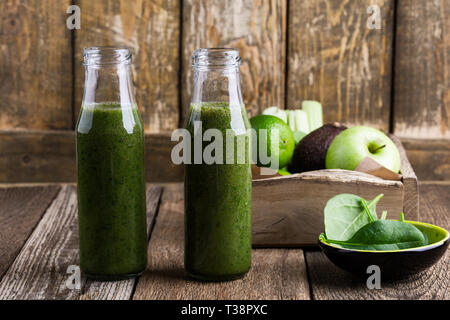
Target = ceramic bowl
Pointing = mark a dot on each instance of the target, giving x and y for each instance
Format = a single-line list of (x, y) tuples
[(394, 264)]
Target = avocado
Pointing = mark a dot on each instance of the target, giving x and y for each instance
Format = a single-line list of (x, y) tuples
[(311, 152)]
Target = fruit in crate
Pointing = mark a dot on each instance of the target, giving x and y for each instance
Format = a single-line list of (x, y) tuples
[(311, 152), (351, 146), (286, 143), (301, 121)]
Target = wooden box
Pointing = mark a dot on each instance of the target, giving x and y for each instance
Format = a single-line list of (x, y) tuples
[(288, 210)]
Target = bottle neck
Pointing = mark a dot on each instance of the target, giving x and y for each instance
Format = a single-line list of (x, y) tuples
[(108, 84), (217, 85), (108, 75)]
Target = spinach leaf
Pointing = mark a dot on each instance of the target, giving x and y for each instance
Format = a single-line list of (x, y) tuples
[(384, 235), (344, 215), (383, 215)]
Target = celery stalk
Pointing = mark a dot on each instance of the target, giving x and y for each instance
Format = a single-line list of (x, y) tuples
[(270, 111), (314, 111), (301, 121), (291, 120), (275, 111), (282, 115)]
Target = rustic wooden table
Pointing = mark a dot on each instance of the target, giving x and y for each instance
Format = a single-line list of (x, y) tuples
[(39, 240)]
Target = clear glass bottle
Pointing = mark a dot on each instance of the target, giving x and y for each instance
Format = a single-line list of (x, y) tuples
[(218, 184), (110, 169)]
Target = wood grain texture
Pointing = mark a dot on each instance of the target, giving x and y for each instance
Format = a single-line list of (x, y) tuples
[(35, 65), (430, 158), (288, 211), (20, 211), (49, 156), (330, 282), (336, 59), (165, 277), (39, 271), (151, 29), (411, 206), (257, 28), (422, 69)]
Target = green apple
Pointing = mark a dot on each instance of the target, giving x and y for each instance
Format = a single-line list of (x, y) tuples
[(352, 145)]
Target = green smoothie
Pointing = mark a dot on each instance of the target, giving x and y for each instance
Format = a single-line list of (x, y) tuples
[(218, 200), (111, 191)]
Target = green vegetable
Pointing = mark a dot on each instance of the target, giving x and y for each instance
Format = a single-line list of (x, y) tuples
[(344, 215), (301, 121), (283, 171), (314, 111), (384, 235), (306, 120), (298, 136), (367, 211), (352, 223), (274, 111)]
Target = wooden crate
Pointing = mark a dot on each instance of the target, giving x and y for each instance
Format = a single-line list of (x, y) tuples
[(288, 210)]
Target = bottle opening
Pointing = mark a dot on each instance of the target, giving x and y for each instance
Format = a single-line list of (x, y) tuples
[(222, 58), (107, 55)]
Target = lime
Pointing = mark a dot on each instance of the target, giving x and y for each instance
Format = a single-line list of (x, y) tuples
[(286, 143), (284, 171)]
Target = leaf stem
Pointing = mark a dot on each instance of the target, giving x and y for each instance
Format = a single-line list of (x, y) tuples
[(376, 199), (367, 210)]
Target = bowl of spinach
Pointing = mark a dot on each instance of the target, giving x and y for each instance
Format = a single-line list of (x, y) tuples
[(355, 238)]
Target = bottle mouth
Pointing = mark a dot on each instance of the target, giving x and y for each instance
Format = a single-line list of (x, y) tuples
[(220, 58), (107, 55)]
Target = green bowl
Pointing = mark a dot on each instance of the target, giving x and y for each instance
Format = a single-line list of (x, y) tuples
[(394, 264)]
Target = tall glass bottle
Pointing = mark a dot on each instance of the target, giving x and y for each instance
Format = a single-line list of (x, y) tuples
[(218, 183), (110, 168)]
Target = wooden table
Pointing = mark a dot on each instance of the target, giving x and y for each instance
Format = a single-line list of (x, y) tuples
[(39, 240)]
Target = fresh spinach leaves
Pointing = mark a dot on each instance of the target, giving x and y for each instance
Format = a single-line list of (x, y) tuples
[(344, 215), (352, 223), (384, 235)]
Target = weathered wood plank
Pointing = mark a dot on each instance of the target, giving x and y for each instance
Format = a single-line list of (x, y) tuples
[(257, 28), (422, 69), (44, 156), (430, 158), (20, 211), (49, 156), (330, 282), (35, 65), (39, 271), (336, 59), (411, 206), (151, 29), (165, 277)]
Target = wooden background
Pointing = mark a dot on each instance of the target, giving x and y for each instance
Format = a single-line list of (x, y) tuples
[(395, 78)]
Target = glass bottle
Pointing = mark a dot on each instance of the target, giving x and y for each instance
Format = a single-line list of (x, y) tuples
[(110, 169), (218, 184)]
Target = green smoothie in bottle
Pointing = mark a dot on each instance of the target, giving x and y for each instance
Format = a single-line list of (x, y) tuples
[(110, 169), (218, 194)]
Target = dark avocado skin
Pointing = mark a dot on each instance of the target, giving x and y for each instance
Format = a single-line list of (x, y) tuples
[(310, 153)]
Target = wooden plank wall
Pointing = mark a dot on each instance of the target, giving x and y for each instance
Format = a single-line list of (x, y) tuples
[(395, 78), (336, 59), (35, 65)]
